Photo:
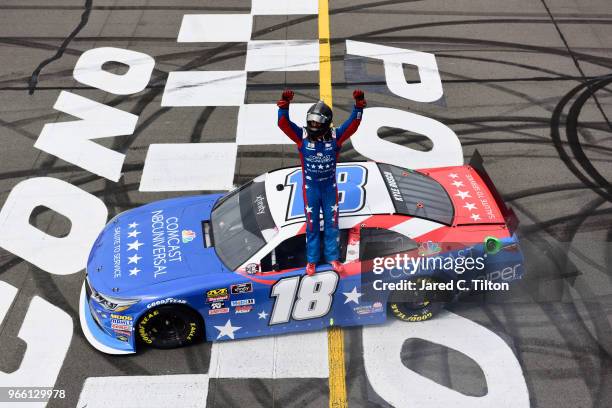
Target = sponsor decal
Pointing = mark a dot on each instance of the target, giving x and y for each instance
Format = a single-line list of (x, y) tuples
[(143, 324), (508, 273), (117, 252), (243, 309), (217, 305), (240, 288), (375, 307), (121, 323), (251, 268), (188, 236), (165, 302), (123, 338), (243, 302), (121, 317), (193, 328), (217, 295), (218, 311), (121, 327), (393, 188), (165, 240), (429, 248), (260, 205), (482, 197)]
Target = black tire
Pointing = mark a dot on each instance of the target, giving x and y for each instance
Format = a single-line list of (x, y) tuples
[(417, 306), (170, 326)]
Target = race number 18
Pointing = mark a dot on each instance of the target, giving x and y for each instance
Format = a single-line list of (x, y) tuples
[(313, 300)]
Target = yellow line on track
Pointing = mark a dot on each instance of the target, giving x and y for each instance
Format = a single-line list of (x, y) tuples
[(335, 335), (325, 85)]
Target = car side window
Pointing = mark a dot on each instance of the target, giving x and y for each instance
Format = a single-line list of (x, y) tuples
[(376, 242), (291, 253)]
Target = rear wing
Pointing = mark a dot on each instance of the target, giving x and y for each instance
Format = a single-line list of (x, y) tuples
[(476, 162)]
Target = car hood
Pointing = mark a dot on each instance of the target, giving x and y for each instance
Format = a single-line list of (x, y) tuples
[(152, 244)]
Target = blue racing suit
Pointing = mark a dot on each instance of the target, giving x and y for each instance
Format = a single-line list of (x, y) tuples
[(319, 181)]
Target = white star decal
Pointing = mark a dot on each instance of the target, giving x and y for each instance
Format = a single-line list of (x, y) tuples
[(133, 234), (453, 175), (227, 330), (463, 194), (457, 183), (327, 166), (334, 207), (134, 245), (308, 209), (134, 259), (262, 314), (134, 272), (475, 217), (306, 186), (132, 225), (352, 296), (320, 166), (469, 206)]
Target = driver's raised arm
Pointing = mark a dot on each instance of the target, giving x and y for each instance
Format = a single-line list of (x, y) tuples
[(287, 126)]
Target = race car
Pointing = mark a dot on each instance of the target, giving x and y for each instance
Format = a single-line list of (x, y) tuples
[(223, 267)]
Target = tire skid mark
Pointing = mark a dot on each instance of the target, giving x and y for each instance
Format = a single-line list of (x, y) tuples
[(62, 47)]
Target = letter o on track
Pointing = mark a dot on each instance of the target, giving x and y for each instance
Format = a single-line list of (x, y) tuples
[(60, 256), (88, 70), (446, 149)]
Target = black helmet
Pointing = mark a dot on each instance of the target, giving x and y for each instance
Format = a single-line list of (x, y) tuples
[(318, 119)]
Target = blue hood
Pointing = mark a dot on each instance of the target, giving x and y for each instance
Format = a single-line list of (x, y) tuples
[(152, 244)]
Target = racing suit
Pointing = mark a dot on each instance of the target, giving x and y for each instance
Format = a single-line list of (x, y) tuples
[(319, 187)]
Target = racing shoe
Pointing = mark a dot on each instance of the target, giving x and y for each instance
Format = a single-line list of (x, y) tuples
[(311, 268), (337, 266)]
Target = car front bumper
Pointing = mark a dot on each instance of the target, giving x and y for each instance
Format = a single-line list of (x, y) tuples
[(97, 337)]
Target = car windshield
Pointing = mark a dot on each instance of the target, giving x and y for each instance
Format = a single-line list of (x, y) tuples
[(240, 223), (417, 195)]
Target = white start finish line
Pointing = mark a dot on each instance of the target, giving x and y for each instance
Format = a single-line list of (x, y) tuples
[(188, 167), (150, 391)]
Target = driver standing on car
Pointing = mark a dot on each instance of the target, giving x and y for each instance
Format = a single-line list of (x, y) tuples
[(319, 146)]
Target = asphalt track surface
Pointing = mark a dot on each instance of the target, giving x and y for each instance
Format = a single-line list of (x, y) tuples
[(526, 82)]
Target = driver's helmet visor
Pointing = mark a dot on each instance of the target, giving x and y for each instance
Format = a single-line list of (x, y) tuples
[(316, 117)]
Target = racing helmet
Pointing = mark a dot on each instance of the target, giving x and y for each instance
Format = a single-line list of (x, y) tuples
[(318, 120)]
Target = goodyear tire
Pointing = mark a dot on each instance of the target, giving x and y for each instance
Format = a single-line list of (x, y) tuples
[(416, 306), (170, 326)]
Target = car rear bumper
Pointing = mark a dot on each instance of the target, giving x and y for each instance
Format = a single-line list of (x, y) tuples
[(98, 338)]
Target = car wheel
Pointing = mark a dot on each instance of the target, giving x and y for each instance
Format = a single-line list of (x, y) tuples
[(170, 326), (417, 306)]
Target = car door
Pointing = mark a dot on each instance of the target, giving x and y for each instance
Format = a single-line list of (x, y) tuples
[(294, 300), (375, 245)]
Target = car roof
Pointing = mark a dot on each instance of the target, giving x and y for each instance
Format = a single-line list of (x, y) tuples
[(375, 197)]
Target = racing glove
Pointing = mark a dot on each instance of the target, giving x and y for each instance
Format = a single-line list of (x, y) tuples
[(285, 99), (359, 97)]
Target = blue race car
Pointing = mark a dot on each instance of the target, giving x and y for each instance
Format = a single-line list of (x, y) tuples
[(222, 267)]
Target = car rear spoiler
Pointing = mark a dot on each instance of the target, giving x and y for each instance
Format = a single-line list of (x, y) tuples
[(476, 162)]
